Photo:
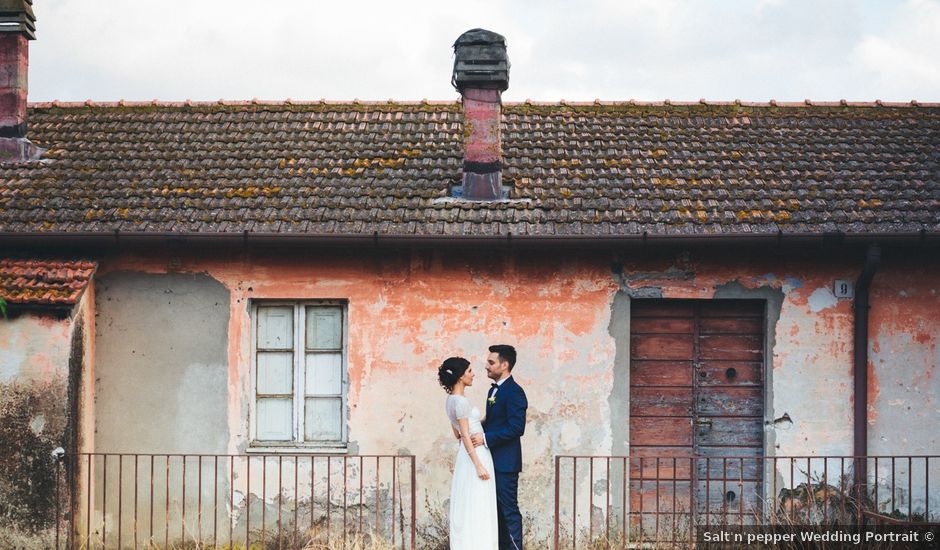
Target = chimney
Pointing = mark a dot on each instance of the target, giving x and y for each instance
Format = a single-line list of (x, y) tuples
[(17, 27), (481, 74)]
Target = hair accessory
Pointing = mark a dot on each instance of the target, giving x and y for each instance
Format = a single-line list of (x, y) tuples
[(450, 371)]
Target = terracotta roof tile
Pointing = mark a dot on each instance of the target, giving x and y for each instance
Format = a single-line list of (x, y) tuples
[(584, 169), (47, 282)]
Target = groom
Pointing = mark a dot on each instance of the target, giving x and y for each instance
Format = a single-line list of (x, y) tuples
[(504, 425)]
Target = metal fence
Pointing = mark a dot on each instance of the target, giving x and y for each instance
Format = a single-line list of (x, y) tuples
[(228, 501), (616, 501)]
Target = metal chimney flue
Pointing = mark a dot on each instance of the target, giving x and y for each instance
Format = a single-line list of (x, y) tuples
[(481, 74)]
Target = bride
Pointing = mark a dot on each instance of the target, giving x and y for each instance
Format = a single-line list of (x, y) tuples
[(473, 522)]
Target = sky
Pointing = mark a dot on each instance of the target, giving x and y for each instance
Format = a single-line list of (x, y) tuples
[(683, 50)]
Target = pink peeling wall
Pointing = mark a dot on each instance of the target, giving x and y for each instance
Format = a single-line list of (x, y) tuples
[(904, 358), (36, 356), (904, 379), (410, 309), (35, 349), (409, 312), (810, 375)]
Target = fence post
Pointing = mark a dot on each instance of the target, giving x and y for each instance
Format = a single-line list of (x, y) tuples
[(57, 455), (557, 519)]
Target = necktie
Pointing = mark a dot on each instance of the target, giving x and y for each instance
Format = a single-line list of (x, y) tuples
[(493, 389)]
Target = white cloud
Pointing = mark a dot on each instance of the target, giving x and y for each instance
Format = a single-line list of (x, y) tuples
[(612, 49), (903, 57)]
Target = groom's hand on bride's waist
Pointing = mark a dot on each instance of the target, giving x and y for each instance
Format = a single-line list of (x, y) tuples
[(477, 439)]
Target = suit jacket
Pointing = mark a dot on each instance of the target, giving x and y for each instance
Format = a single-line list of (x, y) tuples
[(505, 424)]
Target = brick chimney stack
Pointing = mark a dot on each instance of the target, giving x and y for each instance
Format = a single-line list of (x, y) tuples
[(481, 74), (17, 28)]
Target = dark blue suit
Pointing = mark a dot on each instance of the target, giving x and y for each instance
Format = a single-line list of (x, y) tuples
[(504, 425)]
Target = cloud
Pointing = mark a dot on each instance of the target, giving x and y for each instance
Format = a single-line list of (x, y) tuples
[(612, 49), (902, 58)]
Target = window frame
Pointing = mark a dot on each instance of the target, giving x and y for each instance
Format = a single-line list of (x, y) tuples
[(299, 395)]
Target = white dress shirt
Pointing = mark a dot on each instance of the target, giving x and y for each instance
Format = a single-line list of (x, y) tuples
[(496, 389)]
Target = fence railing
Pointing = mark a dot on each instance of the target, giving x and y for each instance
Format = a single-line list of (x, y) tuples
[(616, 501), (228, 501)]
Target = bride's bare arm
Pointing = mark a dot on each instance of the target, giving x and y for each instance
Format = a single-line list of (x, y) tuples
[(468, 444)]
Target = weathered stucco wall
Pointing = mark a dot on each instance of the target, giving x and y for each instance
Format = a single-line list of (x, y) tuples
[(160, 363), (567, 314), (83, 397), (35, 347), (809, 335), (407, 311), (39, 349), (904, 378)]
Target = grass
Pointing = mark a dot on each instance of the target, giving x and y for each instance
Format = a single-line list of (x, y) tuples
[(810, 504)]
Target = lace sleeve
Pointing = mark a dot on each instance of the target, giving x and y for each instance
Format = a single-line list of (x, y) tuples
[(463, 408)]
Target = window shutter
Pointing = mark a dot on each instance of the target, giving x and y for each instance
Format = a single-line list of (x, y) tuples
[(323, 419), (274, 385), (323, 360), (324, 328)]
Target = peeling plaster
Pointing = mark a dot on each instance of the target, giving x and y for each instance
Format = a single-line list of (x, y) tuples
[(821, 298), (570, 321), (809, 351), (904, 359), (161, 347), (407, 315), (35, 347), (619, 398)]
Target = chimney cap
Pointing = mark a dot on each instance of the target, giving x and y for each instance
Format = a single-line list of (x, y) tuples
[(480, 61), (16, 16)]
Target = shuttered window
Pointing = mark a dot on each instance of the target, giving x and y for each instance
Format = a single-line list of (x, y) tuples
[(299, 369)]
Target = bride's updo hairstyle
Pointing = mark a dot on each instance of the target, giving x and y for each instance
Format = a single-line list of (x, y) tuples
[(450, 372)]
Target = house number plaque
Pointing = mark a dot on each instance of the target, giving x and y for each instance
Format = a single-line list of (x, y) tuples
[(843, 289)]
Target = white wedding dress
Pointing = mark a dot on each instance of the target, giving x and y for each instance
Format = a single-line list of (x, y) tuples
[(473, 522)]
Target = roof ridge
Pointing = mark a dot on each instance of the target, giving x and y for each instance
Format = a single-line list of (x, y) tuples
[(229, 103), (710, 103), (560, 103)]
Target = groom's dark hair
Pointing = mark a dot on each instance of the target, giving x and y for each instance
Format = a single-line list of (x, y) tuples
[(506, 353)]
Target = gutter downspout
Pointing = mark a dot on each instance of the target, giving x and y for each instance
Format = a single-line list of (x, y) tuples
[(860, 372)]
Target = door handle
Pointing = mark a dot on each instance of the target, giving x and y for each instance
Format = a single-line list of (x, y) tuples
[(703, 422)]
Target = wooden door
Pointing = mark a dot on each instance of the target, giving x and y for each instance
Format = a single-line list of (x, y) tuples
[(696, 409)]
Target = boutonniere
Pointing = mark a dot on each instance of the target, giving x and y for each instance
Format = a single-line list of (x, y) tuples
[(492, 400)]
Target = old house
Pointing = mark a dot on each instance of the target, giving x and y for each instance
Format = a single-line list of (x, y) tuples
[(240, 305)]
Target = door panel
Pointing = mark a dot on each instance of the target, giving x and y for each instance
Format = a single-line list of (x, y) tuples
[(730, 373), (673, 462), (723, 462), (725, 497), (723, 431), (661, 346), (661, 402), (658, 431), (660, 373), (665, 325), (730, 347), (721, 401), (731, 325)]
